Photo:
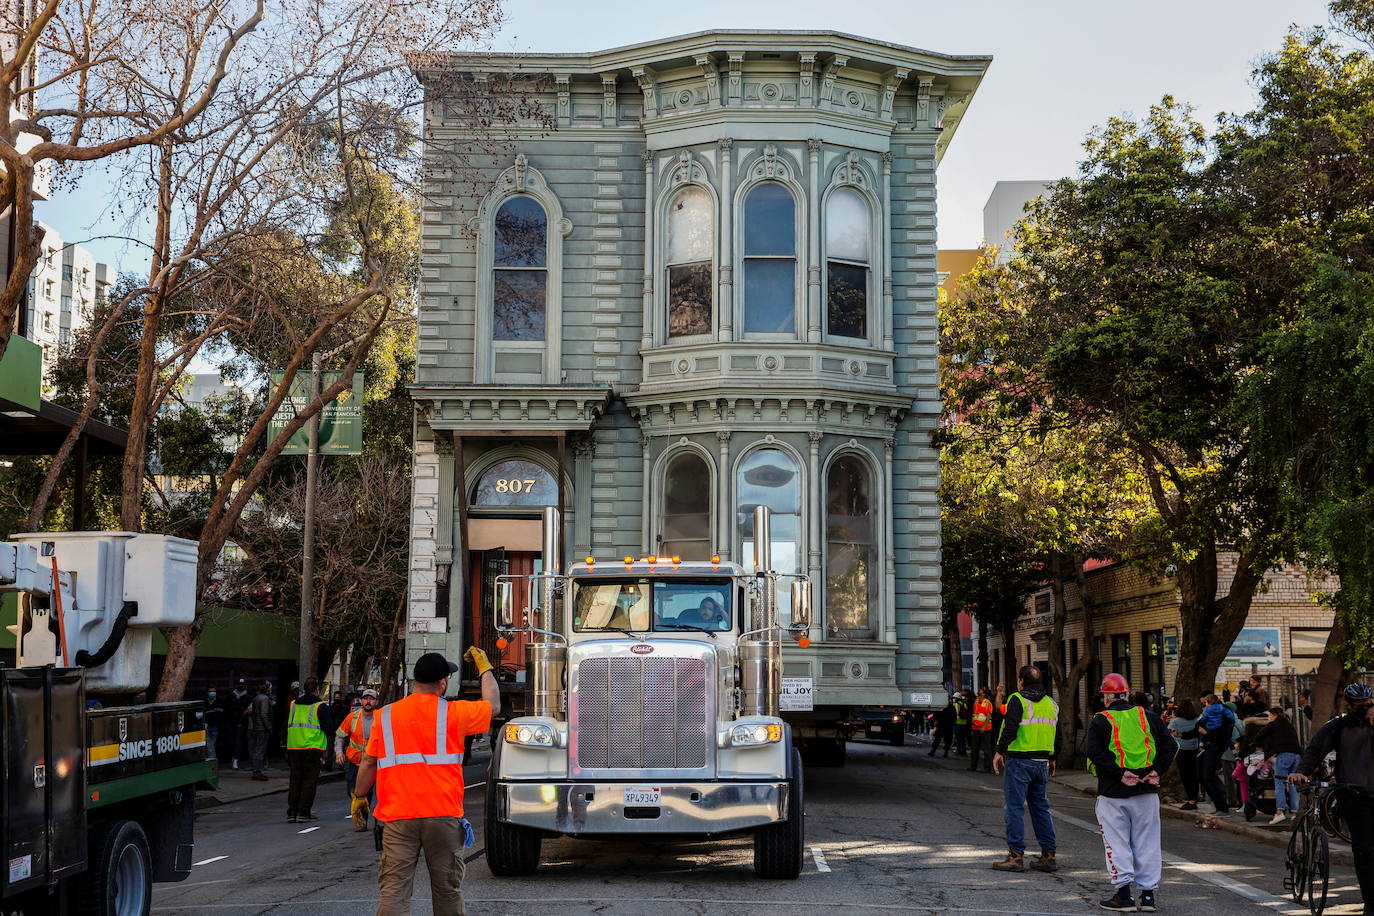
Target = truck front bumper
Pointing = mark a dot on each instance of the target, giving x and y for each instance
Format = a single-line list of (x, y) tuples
[(683, 808)]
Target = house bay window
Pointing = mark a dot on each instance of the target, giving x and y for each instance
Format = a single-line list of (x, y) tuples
[(851, 554), (770, 260), (847, 230), (685, 518), (691, 246)]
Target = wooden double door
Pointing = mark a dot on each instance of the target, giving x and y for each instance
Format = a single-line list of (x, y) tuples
[(484, 567)]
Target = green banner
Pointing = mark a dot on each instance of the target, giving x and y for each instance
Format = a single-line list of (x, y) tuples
[(341, 421), (21, 372)]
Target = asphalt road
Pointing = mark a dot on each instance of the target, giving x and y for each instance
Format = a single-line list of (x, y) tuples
[(894, 831)]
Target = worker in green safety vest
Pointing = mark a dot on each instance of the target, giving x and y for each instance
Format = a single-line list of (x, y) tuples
[(1026, 747), (1128, 747), (308, 727)]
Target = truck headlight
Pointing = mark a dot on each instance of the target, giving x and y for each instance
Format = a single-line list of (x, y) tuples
[(753, 735), (531, 734)]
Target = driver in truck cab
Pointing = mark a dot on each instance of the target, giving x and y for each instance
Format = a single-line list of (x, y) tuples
[(707, 614)]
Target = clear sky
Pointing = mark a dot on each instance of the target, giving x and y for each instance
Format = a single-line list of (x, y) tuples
[(1060, 67)]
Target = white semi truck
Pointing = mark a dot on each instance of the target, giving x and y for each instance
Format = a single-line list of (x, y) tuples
[(653, 698), (97, 795)]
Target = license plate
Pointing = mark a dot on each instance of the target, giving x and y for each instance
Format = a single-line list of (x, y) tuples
[(642, 795), (875, 729)]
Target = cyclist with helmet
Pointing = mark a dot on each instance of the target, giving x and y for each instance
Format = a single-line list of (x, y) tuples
[(1128, 746), (1351, 736)]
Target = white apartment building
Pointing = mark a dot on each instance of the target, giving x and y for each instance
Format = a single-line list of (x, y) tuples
[(62, 295)]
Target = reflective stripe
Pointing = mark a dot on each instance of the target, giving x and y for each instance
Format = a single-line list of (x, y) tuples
[(439, 758), (1036, 720)]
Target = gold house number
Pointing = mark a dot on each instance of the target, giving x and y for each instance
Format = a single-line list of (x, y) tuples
[(514, 486)]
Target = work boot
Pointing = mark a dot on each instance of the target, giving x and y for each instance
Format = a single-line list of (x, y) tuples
[(1015, 861), (291, 818), (1121, 900), (1147, 901), (1046, 862), (307, 816)]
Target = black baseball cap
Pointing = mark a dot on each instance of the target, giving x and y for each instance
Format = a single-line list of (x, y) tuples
[(431, 668)]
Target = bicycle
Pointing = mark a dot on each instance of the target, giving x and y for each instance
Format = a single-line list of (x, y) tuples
[(1308, 857)]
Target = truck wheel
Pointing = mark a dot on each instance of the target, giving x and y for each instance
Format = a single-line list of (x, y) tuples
[(896, 737), (119, 877), (779, 848), (512, 850)]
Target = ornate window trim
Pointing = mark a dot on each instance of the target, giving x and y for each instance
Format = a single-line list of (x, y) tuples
[(686, 171), (853, 173), (882, 498), (519, 180), (659, 488), (487, 460), (770, 165)]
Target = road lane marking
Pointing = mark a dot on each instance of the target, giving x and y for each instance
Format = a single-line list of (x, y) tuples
[(208, 861), (308, 830), (819, 857), (1201, 871)]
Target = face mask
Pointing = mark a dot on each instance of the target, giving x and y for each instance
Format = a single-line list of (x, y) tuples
[(211, 694)]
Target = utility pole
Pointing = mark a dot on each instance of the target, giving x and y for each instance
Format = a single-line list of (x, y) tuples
[(312, 460)]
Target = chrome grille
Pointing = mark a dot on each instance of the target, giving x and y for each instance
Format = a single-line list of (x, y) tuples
[(640, 713)]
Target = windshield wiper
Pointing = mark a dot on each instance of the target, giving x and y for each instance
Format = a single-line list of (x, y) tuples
[(606, 630), (687, 626)]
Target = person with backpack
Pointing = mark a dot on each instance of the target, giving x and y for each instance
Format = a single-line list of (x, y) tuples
[(1215, 728), (1351, 736), (1128, 746)]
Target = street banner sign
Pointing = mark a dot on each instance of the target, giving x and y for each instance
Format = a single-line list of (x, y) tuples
[(341, 421), (1255, 646)]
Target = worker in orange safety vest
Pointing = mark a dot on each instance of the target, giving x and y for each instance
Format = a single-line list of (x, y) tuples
[(415, 758), (981, 746), (349, 742)]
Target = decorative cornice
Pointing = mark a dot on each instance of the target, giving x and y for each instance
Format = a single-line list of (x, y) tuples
[(501, 408), (849, 414)]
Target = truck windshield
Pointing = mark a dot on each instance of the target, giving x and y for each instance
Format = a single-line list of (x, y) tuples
[(630, 605)]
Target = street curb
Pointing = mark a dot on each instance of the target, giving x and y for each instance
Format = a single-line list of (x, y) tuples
[(1340, 855)]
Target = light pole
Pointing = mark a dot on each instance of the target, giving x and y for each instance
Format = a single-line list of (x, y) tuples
[(312, 459)]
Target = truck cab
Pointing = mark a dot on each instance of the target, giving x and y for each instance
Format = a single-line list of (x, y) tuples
[(654, 691)]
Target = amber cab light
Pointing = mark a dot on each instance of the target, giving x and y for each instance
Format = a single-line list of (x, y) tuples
[(591, 561)]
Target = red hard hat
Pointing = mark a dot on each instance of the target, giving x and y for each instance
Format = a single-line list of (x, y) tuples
[(1115, 683)]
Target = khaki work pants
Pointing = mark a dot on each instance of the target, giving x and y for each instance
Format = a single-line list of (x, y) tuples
[(441, 839)]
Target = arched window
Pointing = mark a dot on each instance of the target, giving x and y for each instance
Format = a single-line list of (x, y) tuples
[(770, 260), (515, 482), (685, 523), (770, 477), (520, 264), (851, 554), (691, 243), (847, 229)]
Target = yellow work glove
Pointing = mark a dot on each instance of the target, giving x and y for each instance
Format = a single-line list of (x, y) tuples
[(478, 658)]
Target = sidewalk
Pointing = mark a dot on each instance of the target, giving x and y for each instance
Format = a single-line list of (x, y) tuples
[(1257, 830), (239, 785)]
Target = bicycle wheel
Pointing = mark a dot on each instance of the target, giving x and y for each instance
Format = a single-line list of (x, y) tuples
[(1296, 860), (1331, 820), (1318, 873)]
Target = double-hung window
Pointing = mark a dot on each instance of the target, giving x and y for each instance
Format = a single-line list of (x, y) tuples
[(691, 243), (520, 264), (847, 245), (770, 260)]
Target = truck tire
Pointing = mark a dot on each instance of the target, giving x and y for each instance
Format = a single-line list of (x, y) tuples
[(779, 848), (119, 875), (512, 850)]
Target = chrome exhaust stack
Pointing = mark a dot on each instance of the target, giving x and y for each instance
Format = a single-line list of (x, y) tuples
[(546, 660), (760, 650)]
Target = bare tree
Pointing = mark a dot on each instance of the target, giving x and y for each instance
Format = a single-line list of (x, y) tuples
[(275, 215)]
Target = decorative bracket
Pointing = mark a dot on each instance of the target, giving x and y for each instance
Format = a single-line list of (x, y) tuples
[(735, 92), (564, 112), (610, 114), (649, 83), (711, 71), (832, 70), (806, 73), (892, 80)]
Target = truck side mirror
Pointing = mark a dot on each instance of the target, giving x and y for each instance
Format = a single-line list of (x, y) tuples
[(801, 603), (505, 605)]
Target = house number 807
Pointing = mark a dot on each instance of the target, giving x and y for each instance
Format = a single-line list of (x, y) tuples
[(515, 486)]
